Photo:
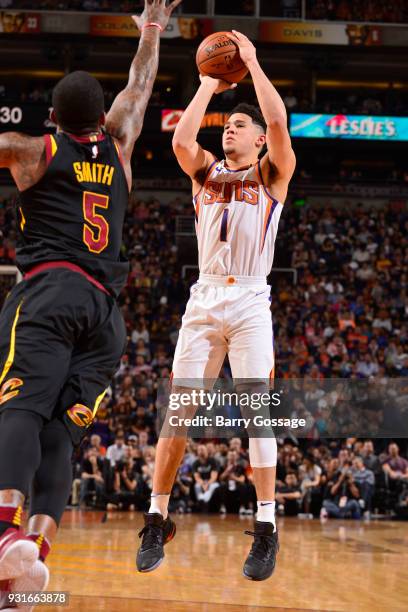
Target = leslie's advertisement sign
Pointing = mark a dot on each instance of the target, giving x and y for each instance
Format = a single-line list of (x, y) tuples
[(357, 127)]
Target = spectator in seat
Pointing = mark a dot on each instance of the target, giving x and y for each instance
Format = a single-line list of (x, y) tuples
[(92, 480), (236, 444), (149, 455), (180, 494), (402, 505), (367, 367), (221, 454), (233, 489), (133, 441), (117, 451), (143, 440), (96, 442), (342, 496), (205, 474), (138, 461), (288, 495), (128, 494), (370, 459), (140, 332), (310, 474), (395, 466), (290, 100), (365, 481)]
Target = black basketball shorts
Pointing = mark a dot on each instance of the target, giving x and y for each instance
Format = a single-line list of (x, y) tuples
[(61, 341)]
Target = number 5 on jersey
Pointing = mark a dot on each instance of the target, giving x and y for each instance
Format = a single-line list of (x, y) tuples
[(96, 228)]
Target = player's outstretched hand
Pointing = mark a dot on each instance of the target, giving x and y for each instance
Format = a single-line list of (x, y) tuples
[(247, 50), (218, 85), (155, 11)]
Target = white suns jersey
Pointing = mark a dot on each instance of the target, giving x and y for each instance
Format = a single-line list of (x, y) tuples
[(236, 222)]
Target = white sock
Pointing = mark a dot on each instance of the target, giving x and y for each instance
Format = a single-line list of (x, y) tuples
[(159, 503), (266, 512)]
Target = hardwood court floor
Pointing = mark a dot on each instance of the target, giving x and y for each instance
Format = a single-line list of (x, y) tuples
[(337, 566)]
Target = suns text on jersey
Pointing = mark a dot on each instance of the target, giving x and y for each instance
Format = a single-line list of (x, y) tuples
[(227, 191), (87, 172)]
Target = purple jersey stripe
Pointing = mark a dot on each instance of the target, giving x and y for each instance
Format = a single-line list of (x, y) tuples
[(274, 205), (224, 226)]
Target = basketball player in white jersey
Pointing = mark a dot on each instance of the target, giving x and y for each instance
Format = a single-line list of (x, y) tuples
[(238, 202)]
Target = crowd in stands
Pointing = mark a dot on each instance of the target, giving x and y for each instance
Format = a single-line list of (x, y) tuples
[(391, 101), (346, 317), (41, 93), (364, 102), (342, 479), (342, 175), (106, 6), (391, 11)]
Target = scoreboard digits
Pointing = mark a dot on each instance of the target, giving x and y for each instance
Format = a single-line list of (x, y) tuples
[(11, 114)]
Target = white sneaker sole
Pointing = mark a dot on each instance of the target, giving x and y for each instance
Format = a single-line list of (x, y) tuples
[(35, 580), (18, 559)]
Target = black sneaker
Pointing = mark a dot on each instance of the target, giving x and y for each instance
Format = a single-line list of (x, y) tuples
[(156, 533), (261, 560)]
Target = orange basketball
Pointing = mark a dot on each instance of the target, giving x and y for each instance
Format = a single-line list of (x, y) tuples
[(218, 57)]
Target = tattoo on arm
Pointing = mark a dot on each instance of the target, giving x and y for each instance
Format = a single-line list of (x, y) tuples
[(125, 119), (24, 156), (7, 149)]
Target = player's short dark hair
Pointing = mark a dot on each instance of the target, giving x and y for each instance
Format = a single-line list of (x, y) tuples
[(252, 111), (78, 102)]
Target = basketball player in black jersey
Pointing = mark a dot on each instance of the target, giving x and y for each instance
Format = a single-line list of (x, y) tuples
[(61, 332)]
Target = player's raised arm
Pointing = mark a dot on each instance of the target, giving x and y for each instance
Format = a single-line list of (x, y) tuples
[(10, 143), (193, 159), (280, 152), (22, 155), (125, 118)]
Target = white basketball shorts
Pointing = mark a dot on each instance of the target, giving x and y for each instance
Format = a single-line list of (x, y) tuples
[(226, 315)]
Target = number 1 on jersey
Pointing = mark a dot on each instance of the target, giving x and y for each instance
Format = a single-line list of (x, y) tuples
[(224, 226)]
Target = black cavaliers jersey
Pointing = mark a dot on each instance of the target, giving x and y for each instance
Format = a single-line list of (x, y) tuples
[(76, 211)]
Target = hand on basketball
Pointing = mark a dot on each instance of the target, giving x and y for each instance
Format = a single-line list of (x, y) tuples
[(155, 11), (218, 85), (247, 50)]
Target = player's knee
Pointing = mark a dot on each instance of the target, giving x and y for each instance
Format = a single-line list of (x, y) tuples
[(253, 397), (262, 452), (183, 402), (56, 464), (254, 403), (21, 420)]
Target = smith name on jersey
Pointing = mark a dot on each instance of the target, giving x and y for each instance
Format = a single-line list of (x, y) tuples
[(76, 211)]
